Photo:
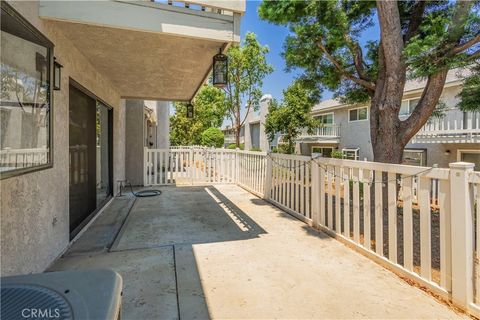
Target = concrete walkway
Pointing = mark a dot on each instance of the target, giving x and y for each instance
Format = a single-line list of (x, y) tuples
[(220, 252)]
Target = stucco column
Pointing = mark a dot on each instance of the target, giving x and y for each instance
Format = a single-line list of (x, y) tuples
[(134, 141), (264, 103), (163, 124)]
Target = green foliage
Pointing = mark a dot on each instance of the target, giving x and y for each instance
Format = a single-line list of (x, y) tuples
[(209, 111), (212, 137), (255, 149), (247, 67), (470, 95), (234, 146), (324, 32), (337, 154), (291, 116)]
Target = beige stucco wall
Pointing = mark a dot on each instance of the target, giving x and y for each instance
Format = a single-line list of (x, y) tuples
[(35, 206)]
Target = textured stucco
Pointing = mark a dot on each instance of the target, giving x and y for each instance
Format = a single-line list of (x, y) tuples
[(134, 142), (161, 67), (35, 206)]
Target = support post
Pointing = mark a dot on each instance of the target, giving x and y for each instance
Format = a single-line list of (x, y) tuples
[(315, 194), (268, 177), (237, 166), (145, 166), (462, 233)]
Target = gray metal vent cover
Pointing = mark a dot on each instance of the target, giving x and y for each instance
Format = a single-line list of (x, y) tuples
[(27, 299)]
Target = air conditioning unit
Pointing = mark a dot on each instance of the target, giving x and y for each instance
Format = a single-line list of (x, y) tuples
[(83, 294)]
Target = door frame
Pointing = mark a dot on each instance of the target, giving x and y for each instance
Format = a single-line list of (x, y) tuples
[(100, 207)]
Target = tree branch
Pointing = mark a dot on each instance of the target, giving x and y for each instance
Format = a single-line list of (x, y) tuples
[(357, 54), (366, 84), (466, 45), (415, 20), (426, 105)]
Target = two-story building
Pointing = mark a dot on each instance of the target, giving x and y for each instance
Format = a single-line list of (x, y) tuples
[(70, 71), (346, 128)]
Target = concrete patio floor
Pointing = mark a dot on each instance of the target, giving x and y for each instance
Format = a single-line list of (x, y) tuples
[(220, 252)]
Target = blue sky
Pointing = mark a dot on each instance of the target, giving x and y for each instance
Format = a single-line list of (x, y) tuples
[(273, 36)]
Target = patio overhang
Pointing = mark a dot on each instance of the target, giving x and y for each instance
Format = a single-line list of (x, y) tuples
[(148, 50)]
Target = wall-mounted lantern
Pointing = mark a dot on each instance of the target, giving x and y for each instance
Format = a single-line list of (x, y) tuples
[(220, 70), (189, 111), (57, 75)]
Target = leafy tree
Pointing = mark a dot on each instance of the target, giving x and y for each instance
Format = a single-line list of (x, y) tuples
[(212, 137), (470, 95), (291, 116), (247, 66), (418, 40), (209, 111)]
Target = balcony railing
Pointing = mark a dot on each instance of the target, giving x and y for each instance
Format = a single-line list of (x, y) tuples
[(465, 128), (219, 7), (331, 131)]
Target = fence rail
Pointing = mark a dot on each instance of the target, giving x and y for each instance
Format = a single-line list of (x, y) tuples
[(421, 223)]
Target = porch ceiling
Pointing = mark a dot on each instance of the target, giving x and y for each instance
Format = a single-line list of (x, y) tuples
[(144, 65)]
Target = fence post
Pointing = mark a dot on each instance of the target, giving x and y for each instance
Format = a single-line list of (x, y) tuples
[(237, 166), (315, 193), (268, 177), (461, 233), (192, 165), (145, 163)]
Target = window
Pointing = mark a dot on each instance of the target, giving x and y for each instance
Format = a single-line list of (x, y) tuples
[(350, 154), (358, 114), (415, 157), (325, 152), (325, 119), (408, 106), (25, 109)]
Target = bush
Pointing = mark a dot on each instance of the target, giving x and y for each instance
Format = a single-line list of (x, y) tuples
[(337, 154), (255, 149), (212, 137), (234, 146)]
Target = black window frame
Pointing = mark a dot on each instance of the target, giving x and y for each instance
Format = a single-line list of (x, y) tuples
[(35, 36)]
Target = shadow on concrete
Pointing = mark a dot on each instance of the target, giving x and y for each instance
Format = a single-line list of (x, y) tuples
[(149, 241)]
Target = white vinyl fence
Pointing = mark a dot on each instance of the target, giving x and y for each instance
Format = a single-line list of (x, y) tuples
[(421, 223)]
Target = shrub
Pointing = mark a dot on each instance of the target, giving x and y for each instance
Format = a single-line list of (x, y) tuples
[(337, 154), (234, 146), (255, 149), (212, 137)]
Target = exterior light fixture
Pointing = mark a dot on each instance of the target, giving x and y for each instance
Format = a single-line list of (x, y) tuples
[(189, 111), (220, 70), (57, 75)]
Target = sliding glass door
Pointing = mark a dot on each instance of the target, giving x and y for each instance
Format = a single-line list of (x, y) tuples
[(90, 157), (103, 159)]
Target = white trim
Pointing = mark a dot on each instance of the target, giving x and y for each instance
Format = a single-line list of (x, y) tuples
[(356, 108), (324, 114), (460, 151), (323, 147)]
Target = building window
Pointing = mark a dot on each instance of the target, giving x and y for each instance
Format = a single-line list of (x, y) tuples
[(350, 153), (26, 108), (408, 106), (325, 119), (358, 114), (325, 152), (415, 157)]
